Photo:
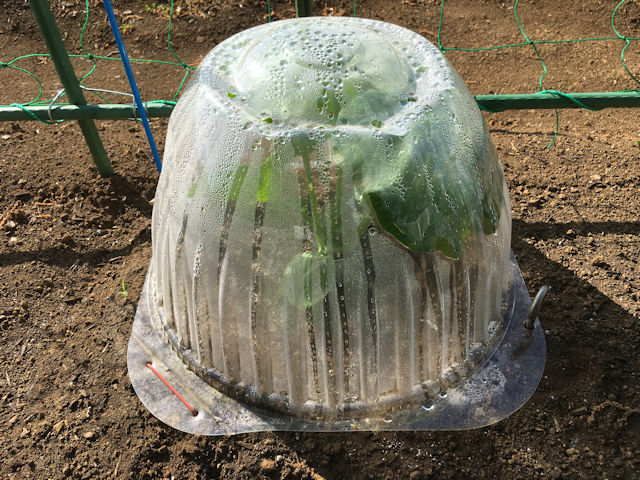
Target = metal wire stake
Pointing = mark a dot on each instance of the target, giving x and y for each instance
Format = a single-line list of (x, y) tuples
[(58, 95), (535, 307), (115, 92)]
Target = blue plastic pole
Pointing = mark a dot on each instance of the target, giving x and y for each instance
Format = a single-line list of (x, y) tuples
[(132, 82)]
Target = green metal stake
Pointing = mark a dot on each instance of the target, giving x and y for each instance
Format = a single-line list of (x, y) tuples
[(592, 100), (51, 34), (303, 8)]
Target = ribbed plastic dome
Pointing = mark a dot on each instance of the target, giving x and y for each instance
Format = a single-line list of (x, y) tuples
[(331, 228)]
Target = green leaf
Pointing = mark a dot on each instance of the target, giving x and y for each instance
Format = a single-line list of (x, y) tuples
[(333, 107), (418, 188), (236, 184), (192, 189), (263, 182), (349, 89), (301, 279), (304, 147)]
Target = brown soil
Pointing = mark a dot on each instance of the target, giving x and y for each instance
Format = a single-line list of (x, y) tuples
[(71, 239)]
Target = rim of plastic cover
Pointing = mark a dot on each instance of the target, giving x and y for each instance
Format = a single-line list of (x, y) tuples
[(499, 388)]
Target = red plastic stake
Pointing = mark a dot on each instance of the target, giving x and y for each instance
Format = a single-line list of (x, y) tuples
[(193, 411)]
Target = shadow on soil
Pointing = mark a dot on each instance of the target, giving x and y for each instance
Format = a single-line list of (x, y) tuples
[(587, 366)]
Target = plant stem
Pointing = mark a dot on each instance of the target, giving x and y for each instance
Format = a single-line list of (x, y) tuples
[(261, 356), (320, 231), (259, 353), (308, 280), (303, 8), (338, 256)]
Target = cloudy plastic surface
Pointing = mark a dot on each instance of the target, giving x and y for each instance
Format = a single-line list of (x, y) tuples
[(331, 227)]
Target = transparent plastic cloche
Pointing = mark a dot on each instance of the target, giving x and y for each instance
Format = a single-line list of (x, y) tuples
[(331, 228)]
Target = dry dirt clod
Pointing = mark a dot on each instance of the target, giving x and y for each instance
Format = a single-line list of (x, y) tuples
[(89, 435), (268, 465)]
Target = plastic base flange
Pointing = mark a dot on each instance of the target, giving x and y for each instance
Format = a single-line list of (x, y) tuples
[(502, 384)]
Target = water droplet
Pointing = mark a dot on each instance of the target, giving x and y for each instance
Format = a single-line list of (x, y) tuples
[(428, 405)]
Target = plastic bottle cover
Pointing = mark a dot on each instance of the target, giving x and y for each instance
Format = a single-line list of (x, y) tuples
[(331, 228)]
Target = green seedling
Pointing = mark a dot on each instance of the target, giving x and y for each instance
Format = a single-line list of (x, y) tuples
[(123, 292), (154, 8), (126, 27)]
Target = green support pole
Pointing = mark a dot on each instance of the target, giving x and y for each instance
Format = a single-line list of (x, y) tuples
[(596, 100), (303, 8), (548, 100), (60, 58), (112, 111)]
